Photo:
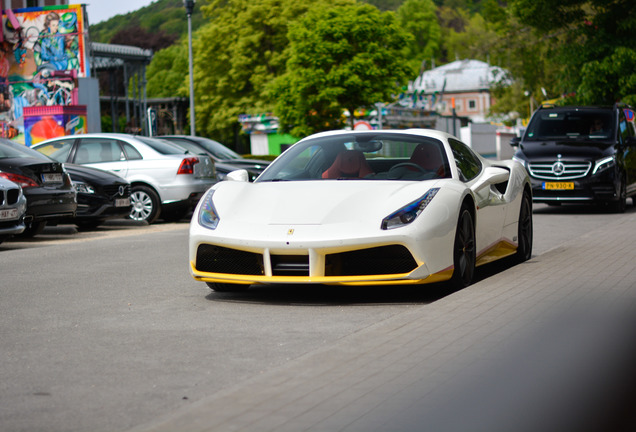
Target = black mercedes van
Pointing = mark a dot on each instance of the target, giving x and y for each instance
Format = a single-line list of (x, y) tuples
[(580, 154)]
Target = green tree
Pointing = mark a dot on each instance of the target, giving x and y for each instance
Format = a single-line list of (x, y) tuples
[(605, 79), (237, 54), (168, 72), (344, 57), (419, 18), (476, 41), (592, 40)]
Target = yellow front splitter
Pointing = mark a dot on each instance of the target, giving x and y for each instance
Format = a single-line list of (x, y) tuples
[(391, 279)]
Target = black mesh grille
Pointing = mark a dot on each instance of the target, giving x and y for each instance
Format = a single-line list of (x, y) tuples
[(374, 261), (12, 196), (217, 259), (290, 265)]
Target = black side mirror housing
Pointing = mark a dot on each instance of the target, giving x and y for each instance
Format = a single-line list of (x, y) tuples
[(514, 142)]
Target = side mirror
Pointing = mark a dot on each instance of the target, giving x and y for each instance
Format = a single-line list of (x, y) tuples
[(514, 142), (238, 175), (491, 176)]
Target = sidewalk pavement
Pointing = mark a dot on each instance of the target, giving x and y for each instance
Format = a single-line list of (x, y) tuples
[(546, 345)]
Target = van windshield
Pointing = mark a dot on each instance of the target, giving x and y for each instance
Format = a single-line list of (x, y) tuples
[(563, 124)]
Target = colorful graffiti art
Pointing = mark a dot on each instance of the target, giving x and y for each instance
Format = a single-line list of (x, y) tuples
[(42, 53)]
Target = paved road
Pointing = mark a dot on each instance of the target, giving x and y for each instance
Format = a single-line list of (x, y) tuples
[(107, 331)]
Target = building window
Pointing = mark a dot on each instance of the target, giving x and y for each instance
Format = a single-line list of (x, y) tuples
[(472, 104)]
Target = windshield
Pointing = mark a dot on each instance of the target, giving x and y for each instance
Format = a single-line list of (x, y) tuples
[(9, 149), (573, 124), (217, 149), (363, 155), (161, 146)]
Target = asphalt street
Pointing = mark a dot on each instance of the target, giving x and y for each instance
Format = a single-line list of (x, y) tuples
[(106, 331)]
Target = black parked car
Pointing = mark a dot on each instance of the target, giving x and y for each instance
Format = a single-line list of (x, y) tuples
[(101, 195), (46, 184), (580, 154), (226, 160)]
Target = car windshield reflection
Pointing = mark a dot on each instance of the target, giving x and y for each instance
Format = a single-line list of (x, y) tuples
[(361, 156)]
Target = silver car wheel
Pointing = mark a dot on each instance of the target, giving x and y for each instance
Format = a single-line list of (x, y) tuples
[(145, 204)]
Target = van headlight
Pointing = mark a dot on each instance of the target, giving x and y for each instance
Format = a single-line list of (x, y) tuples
[(603, 164), (518, 159)]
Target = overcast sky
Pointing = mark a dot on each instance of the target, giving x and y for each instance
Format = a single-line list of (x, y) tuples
[(101, 10)]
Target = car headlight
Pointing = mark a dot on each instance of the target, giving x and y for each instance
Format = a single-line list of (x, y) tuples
[(409, 212), (208, 216), (603, 164), (82, 187)]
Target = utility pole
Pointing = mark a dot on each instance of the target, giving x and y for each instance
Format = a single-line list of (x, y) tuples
[(189, 5)]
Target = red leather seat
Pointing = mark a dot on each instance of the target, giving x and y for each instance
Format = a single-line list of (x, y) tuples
[(348, 164)]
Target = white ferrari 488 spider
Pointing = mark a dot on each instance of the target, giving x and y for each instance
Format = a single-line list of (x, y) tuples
[(363, 208)]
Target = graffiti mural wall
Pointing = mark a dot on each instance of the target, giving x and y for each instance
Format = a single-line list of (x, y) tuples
[(42, 53)]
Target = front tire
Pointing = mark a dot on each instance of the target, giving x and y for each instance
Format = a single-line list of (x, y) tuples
[(227, 287), (34, 228), (464, 253), (620, 205), (525, 230), (145, 204)]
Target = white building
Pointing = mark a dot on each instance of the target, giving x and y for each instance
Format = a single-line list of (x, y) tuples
[(466, 82)]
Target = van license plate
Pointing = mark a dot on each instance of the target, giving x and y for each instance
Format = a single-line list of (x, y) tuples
[(558, 185)]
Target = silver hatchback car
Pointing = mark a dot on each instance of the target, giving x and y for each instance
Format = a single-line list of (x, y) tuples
[(165, 179)]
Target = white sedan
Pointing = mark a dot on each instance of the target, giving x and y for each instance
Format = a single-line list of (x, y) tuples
[(382, 207), (165, 179)]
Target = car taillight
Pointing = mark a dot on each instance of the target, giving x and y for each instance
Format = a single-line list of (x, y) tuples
[(187, 165), (19, 179)]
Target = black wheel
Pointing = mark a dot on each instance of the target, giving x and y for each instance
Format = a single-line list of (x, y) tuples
[(464, 254), (34, 228), (620, 205), (524, 232), (145, 204), (227, 287)]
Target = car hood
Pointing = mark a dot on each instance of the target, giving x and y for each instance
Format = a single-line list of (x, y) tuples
[(255, 164), (93, 175), (314, 202), (584, 149)]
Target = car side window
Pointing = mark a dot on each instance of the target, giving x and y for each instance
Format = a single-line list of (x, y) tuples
[(58, 150), (131, 152), (95, 150), (468, 164)]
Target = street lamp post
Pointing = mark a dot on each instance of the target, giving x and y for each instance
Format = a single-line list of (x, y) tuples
[(189, 6)]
